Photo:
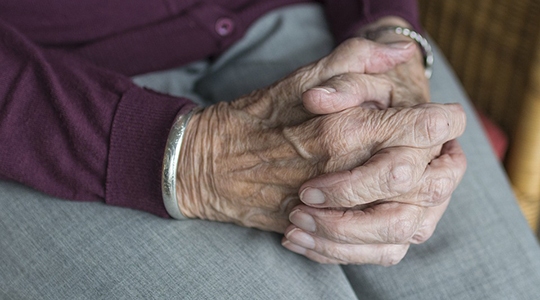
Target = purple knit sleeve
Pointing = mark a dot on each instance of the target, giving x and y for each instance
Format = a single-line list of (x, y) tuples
[(75, 131), (346, 16)]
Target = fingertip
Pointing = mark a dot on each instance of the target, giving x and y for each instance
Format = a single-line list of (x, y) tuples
[(293, 247), (324, 89), (390, 55), (402, 51), (453, 148), (400, 45), (295, 211), (405, 51), (288, 231), (312, 196), (318, 100)]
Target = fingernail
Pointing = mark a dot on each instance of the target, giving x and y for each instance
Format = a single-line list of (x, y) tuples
[(325, 89), (400, 45), (301, 238), (312, 196), (293, 247), (303, 220)]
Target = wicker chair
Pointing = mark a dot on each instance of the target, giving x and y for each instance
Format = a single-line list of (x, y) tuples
[(493, 48)]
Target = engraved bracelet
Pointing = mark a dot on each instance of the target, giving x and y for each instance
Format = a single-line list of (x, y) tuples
[(170, 164), (423, 42)]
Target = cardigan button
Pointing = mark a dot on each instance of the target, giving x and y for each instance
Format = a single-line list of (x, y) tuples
[(224, 26)]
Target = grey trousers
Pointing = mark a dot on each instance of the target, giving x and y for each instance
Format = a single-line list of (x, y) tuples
[(57, 249)]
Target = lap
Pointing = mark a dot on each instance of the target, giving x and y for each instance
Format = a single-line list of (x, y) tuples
[(55, 249)]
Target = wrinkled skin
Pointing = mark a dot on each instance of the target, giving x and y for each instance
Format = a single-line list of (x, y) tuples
[(246, 161), (413, 192)]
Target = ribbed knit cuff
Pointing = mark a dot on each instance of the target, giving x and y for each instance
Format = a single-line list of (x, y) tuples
[(345, 23), (139, 135)]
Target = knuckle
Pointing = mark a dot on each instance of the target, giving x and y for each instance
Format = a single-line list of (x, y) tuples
[(438, 190), (392, 255), (339, 230), (432, 124), (325, 137), (402, 230), (404, 225), (356, 43), (400, 177), (345, 49), (342, 83), (303, 76), (333, 133), (348, 196)]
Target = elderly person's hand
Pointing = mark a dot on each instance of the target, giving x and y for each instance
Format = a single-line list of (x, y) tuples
[(396, 198), (243, 162)]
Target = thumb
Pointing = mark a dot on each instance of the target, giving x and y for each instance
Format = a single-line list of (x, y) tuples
[(356, 55), (359, 55)]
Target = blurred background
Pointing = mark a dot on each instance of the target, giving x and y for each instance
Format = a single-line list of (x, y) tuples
[(493, 46)]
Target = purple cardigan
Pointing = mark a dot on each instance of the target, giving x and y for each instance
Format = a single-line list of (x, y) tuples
[(73, 125)]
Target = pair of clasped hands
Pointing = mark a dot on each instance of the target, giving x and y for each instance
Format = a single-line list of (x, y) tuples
[(344, 156)]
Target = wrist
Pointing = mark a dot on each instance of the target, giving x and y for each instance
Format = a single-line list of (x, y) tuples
[(396, 34), (199, 165), (170, 162), (391, 30), (187, 198)]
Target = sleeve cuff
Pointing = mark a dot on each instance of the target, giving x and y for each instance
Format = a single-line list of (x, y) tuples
[(357, 25), (140, 129), (347, 16)]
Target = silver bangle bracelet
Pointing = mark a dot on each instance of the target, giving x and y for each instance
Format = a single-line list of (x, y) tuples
[(423, 42), (170, 164)]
